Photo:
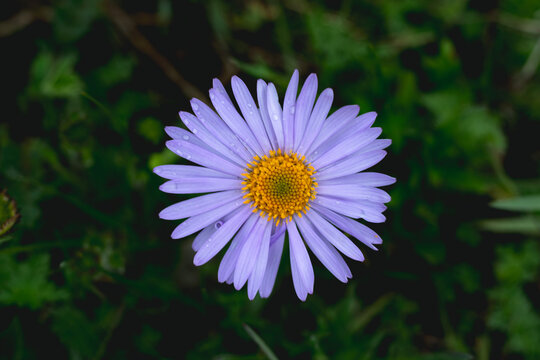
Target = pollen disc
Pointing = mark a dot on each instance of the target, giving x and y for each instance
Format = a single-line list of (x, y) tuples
[(279, 185)]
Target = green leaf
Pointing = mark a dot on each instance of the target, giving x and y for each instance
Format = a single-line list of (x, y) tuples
[(519, 203), (9, 214), (516, 265), (151, 129), (76, 332), (264, 347), (513, 314), (25, 283), (529, 225), (117, 70), (72, 18), (162, 158), (54, 77)]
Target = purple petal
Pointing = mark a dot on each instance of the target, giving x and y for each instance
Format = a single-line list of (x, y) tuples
[(364, 209), (274, 258), (289, 103), (325, 252), (198, 222), (362, 179), (248, 255), (301, 268), (351, 165), (199, 155), (196, 185), (250, 112), (199, 205), (205, 234), (315, 123), (228, 263), (256, 277), (378, 144), (175, 132), (299, 286), (331, 152), (179, 171), (201, 132), (351, 227), (354, 192), (343, 129), (263, 110), (304, 105), (217, 127), (221, 237), (334, 123), (335, 237), (275, 113), (228, 113), (181, 134)]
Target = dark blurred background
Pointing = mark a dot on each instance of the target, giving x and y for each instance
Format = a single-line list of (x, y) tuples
[(89, 271)]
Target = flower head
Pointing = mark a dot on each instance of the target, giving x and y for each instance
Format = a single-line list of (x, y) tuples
[(272, 171)]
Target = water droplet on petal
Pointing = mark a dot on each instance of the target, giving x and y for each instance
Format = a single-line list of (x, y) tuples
[(275, 117), (217, 225), (188, 157), (249, 105), (195, 107), (186, 122), (292, 109), (212, 96), (195, 131), (185, 137)]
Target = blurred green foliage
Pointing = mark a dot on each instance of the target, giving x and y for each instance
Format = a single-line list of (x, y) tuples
[(90, 272)]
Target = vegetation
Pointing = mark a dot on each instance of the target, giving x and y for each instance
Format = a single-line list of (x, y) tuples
[(89, 271)]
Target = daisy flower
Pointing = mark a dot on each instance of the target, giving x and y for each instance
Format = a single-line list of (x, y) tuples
[(273, 172)]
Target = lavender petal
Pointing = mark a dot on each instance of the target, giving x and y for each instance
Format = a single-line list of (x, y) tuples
[(196, 185), (316, 120), (248, 255), (217, 127), (201, 132), (199, 204), (204, 157), (274, 258), (335, 237), (198, 222), (228, 263), (325, 252), (250, 113), (302, 269), (256, 277), (179, 171), (334, 151), (351, 227), (221, 237), (304, 105)]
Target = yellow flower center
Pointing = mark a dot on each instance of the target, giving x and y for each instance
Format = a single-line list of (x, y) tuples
[(279, 185)]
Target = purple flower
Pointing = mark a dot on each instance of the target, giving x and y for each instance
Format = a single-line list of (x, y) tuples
[(271, 171)]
